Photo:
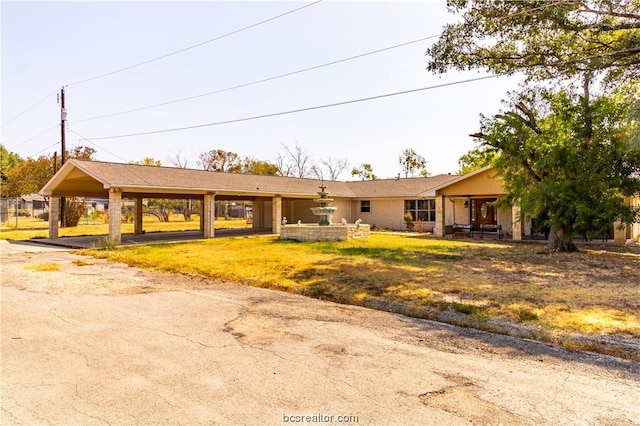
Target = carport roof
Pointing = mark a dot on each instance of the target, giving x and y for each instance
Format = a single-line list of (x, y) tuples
[(94, 179)]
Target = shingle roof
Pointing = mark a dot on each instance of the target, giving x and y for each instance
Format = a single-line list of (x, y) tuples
[(150, 179)]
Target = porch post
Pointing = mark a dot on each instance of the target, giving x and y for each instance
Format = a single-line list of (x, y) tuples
[(619, 234), (115, 216), (209, 214), (137, 227), (516, 221), (256, 211), (439, 229), (276, 217), (54, 217), (202, 215)]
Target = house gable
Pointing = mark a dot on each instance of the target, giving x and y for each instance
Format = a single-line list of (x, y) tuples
[(483, 182)]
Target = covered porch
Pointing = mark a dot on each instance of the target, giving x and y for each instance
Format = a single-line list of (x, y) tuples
[(466, 207)]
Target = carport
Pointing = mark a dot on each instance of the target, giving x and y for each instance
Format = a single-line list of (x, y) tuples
[(117, 181)]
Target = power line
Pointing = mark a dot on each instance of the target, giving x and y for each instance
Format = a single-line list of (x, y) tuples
[(259, 81), (195, 45), (256, 117), (29, 109), (96, 145), (43, 150), (32, 138)]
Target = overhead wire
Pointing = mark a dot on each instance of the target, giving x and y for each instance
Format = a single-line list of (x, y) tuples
[(256, 117), (29, 109), (43, 150), (258, 81), (33, 137), (194, 46), (83, 138), (404, 92)]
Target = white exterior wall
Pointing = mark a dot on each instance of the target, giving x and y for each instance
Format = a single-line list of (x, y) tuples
[(457, 212), (387, 214)]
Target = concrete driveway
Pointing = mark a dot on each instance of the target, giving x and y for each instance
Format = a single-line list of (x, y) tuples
[(89, 342)]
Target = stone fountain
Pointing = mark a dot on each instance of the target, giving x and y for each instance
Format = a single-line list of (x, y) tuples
[(324, 210), (325, 229)]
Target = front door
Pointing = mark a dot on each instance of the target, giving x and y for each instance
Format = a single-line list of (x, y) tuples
[(483, 212)]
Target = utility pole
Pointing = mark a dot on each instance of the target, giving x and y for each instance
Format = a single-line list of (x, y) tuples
[(63, 152)]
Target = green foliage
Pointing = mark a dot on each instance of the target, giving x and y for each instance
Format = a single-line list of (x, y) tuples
[(258, 167), (27, 177), (218, 160), (148, 161), (412, 163), (75, 209), (477, 158), (567, 158), (365, 171), (408, 221), (8, 160), (545, 40)]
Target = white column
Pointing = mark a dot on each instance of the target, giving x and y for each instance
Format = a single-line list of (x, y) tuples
[(439, 228), (54, 217), (115, 216), (209, 214), (516, 222), (619, 233), (276, 217)]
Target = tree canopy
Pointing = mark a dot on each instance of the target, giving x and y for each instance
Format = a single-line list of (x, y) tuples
[(553, 166), (364, 171), (29, 176), (412, 163), (546, 40)]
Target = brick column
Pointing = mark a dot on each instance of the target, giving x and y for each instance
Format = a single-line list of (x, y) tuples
[(439, 228), (137, 227), (276, 216), (516, 222), (54, 217), (115, 216), (209, 215)]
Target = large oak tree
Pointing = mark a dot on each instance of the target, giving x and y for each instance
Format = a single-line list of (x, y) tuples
[(575, 177), (546, 40)]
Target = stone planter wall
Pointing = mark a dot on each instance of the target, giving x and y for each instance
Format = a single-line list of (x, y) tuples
[(309, 232)]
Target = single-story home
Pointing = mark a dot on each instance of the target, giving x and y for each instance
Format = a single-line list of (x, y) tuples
[(444, 204), (27, 205)]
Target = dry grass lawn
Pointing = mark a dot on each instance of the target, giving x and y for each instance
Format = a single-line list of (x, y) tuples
[(29, 228), (595, 292)]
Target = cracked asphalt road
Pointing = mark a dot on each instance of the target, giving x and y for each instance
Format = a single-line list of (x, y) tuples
[(92, 342)]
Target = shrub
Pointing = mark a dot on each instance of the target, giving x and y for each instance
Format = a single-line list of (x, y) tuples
[(74, 210), (408, 221)]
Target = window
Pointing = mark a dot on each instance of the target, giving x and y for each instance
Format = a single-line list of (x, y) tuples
[(365, 206), (421, 210)]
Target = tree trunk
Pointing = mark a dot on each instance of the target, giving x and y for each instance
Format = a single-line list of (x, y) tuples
[(560, 240)]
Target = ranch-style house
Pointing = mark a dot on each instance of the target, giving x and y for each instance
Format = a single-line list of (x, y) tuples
[(443, 204)]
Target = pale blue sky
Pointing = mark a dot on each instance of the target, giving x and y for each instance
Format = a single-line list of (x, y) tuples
[(47, 45)]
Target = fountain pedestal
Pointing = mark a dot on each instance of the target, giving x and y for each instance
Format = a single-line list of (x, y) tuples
[(325, 229)]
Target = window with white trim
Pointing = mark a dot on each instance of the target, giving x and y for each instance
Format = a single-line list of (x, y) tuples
[(421, 210)]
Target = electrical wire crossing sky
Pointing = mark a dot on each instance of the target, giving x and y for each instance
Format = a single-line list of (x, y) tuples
[(341, 80)]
